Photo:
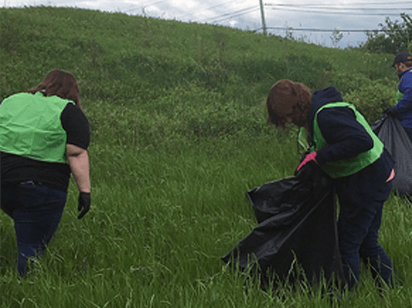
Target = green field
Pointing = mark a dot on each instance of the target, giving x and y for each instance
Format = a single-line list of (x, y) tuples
[(179, 134)]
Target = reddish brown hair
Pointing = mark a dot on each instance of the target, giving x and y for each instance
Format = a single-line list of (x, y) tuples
[(59, 83), (287, 98)]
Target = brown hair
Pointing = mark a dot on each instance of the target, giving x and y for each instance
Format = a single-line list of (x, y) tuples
[(288, 99), (59, 83)]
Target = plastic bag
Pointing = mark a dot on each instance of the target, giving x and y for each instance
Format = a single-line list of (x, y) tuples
[(396, 141), (296, 225)]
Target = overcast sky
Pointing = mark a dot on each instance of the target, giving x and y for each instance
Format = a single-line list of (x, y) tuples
[(298, 14)]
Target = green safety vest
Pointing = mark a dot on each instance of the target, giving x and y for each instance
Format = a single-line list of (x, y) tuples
[(399, 96), (345, 167), (30, 126)]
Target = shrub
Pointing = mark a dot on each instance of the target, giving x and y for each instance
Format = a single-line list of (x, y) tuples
[(372, 98)]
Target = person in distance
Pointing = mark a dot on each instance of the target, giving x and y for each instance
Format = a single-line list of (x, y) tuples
[(403, 108)]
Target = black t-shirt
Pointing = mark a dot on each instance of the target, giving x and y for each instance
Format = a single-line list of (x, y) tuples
[(16, 169)]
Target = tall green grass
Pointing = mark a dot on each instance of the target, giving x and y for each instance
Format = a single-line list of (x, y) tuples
[(179, 135)]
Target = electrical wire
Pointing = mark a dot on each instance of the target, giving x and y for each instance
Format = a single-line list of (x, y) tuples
[(209, 8), (233, 14), (253, 10), (143, 5), (319, 8), (339, 13), (322, 30), (327, 9), (340, 5), (356, 9)]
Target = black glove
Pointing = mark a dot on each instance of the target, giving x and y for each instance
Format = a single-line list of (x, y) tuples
[(312, 176), (391, 112), (84, 204)]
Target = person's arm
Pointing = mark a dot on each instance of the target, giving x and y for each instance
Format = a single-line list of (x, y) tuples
[(74, 122), (79, 165), (345, 136)]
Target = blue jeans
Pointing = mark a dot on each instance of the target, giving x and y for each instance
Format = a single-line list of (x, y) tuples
[(358, 230), (36, 211)]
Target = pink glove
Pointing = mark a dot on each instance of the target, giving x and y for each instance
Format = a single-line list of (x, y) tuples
[(308, 158)]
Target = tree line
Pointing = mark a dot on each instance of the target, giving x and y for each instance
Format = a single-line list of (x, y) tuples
[(392, 38)]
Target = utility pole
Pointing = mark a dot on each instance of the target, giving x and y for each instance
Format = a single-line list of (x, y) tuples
[(262, 13)]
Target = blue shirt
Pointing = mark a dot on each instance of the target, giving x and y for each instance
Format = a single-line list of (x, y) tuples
[(404, 106)]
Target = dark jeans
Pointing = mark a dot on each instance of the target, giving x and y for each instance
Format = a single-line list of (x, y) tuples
[(36, 211), (358, 229)]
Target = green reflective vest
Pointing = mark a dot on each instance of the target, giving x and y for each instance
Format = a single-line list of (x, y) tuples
[(345, 167), (399, 96), (30, 126)]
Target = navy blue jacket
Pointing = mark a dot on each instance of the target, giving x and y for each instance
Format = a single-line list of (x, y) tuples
[(404, 106), (346, 138)]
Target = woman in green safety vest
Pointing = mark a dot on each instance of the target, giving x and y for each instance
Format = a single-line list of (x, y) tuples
[(44, 136), (345, 147), (403, 108)]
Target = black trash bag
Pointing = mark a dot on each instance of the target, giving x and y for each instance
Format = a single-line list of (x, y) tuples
[(396, 141), (297, 226)]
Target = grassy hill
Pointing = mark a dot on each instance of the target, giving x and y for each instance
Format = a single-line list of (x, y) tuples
[(179, 134)]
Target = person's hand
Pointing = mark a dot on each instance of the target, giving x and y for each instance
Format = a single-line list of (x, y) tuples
[(308, 158), (84, 204), (391, 112)]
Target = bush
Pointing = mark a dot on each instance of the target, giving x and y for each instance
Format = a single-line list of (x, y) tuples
[(372, 98)]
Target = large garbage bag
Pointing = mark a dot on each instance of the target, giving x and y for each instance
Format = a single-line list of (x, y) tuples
[(296, 226), (397, 142)]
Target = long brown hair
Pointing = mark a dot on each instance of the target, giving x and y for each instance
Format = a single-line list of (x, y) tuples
[(287, 98), (59, 83)]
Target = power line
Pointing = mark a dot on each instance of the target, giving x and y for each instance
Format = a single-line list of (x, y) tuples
[(340, 5), (351, 9), (327, 9), (234, 14), (321, 30), (329, 12), (229, 17), (212, 7), (214, 19), (143, 5)]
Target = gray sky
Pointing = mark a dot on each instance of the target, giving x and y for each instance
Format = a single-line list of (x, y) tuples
[(246, 14)]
